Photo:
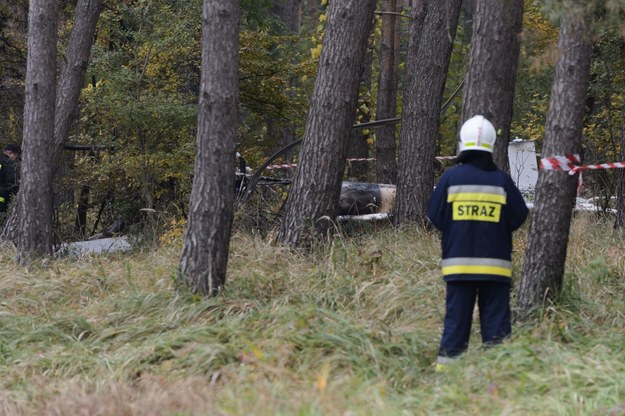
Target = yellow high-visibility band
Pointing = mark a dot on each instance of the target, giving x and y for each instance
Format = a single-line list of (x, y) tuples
[(494, 270), (1, 199), (473, 144), (475, 196)]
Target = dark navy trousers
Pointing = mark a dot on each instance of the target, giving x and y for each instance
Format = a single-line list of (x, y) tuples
[(493, 300)]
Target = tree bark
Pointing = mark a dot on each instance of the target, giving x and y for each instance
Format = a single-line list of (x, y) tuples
[(311, 10), (358, 142), (545, 256), (386, 146), (492, 68), (76, 62), (289, 14), (432, 31), (34, 207), (80, 224), (619, 223), (206, 244), (66, 96), (316, 187), (73, 72)]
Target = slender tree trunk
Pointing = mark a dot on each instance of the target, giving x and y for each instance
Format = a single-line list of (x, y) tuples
[(289, 13), (432, 32), (358, 143), (316, 187), (73, 72), (619, 223), (386, 147), (81, 211), (543, 268), (66, 96), (492, 68), (35, 205), (70, 84), (207, 239)]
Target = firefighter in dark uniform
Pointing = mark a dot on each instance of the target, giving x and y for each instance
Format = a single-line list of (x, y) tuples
[(477, 207)]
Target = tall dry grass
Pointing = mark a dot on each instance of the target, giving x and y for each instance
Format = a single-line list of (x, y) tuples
[(349, 329)]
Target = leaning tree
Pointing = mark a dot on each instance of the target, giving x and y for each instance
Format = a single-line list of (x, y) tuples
[(619, 222), (314, 195), (432, 31)]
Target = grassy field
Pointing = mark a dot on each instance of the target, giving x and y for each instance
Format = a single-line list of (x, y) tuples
[(352, 329)]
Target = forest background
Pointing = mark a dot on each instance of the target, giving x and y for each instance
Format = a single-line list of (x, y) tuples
[(139, 104)]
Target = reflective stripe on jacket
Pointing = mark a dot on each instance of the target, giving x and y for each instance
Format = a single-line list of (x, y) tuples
[(476, 265)]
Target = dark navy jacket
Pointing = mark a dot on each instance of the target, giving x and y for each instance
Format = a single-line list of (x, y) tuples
[(477, 207)]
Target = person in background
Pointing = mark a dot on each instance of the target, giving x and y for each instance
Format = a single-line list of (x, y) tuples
[(9, 175), (477, 207)]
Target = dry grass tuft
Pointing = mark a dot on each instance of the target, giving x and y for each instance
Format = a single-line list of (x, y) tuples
[(351, 328)]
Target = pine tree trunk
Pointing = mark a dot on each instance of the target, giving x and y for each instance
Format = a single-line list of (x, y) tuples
[(619, 223), (73, 71), (72, 79), (207, 239), (492, 68), (432, 31), (66, 96), (358, 143), (314, 195), (34, 207), (545, 257), (289, 14), (386, 147)]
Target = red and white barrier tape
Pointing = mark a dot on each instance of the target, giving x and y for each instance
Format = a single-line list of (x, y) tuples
[(560, 163), (570, 163), (600, 166)]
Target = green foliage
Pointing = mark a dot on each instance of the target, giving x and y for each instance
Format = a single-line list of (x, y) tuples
[(597, 270), (535, 75), (255, 12), (13, 21), (274, 83), (602, 125), (141, 103)]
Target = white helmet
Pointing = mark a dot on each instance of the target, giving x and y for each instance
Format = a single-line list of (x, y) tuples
[(477, 133)]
